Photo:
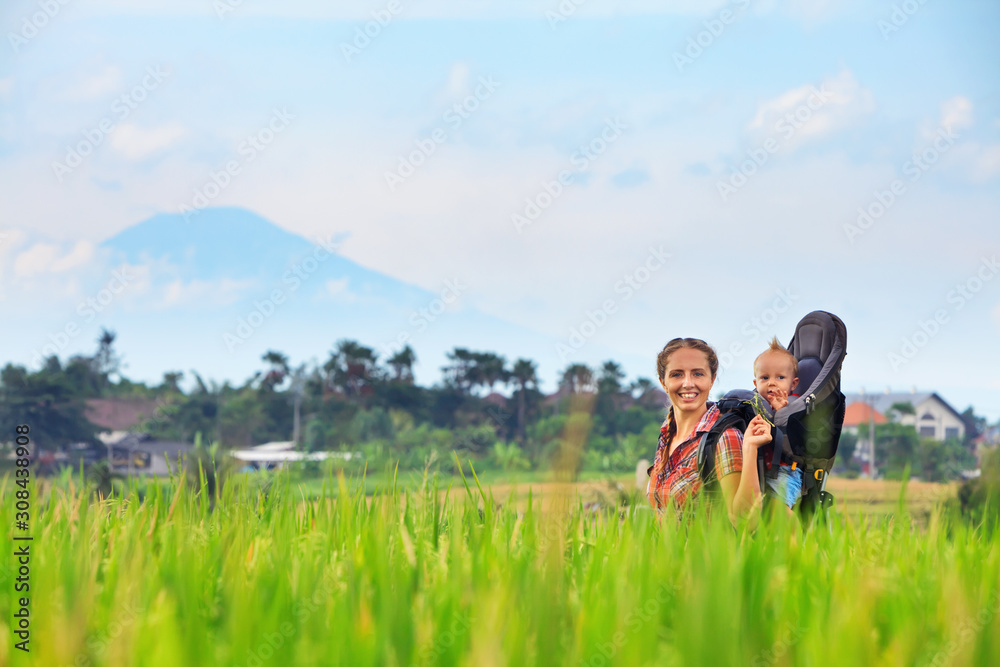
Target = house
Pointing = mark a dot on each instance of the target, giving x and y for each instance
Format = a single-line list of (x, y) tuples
[(860, 414), (932, 417), (272, 455), (119, 414), (857, 419), (138, 453)]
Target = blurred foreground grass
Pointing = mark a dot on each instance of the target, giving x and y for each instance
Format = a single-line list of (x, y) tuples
[(274, 574)]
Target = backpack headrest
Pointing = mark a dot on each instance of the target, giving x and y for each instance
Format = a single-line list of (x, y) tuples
[(818, 344)]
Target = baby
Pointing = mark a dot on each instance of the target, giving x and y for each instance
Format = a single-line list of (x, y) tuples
[(776, 373)]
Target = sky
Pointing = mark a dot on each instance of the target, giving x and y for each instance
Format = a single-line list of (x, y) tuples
[(612, 174)]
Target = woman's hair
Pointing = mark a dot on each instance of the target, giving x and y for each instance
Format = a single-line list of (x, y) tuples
[(661, 371), (678, 343)]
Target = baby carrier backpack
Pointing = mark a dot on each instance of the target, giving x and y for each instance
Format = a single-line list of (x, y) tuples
[(806, 431)]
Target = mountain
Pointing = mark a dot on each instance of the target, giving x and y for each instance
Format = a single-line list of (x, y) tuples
[(215, 293), (242, 248)]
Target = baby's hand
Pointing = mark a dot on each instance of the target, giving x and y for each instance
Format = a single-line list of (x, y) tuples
[(779, 400), (758, 433)]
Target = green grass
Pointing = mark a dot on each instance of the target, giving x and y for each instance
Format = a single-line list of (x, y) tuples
[(259, 576)]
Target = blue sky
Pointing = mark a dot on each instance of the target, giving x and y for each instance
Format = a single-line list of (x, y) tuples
[(832, 101)]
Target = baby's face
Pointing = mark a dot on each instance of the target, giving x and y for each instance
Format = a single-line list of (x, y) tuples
[(774, 371)]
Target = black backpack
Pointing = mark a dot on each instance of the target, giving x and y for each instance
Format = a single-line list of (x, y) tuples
[(807, 430)]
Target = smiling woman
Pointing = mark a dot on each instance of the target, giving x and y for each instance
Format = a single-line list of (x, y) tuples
[(687, 369)]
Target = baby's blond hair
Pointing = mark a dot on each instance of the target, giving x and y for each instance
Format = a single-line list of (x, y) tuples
[(776, 346)]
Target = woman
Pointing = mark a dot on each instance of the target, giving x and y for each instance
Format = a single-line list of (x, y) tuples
[(687, 368)]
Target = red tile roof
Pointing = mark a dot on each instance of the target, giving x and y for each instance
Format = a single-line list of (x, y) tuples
[(858, 413), (118, 414)]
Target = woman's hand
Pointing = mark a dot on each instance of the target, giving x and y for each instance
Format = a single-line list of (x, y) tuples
[(758, 433)]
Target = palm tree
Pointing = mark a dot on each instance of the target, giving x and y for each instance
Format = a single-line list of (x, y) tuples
[(171, 380), (610, 396), (351, 367), (106, 361), (278, 370), (610, 381), (463, 373), (492, 369), (524, 373), (402, 365), (644, 392), (577, 378)]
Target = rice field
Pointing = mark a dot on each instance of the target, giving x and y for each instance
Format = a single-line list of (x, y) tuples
[(417, 574)]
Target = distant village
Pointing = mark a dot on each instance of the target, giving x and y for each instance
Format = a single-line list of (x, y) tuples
[(130, 452)]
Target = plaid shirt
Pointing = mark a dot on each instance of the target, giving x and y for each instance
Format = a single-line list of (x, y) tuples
[(679, 480)]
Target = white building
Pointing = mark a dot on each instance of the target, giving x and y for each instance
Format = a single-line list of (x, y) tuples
[(273, 455), (933, 417)]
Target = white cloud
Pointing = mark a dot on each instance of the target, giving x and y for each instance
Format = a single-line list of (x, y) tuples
[(92, 86), (458, 79), (221, 292), (987, 164), (338, 290), (977, 162), (956, 113), (811, 112), (46, 258), (10, 239), (136, 143)]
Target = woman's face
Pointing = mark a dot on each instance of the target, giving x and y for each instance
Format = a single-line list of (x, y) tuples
[(687, 379)]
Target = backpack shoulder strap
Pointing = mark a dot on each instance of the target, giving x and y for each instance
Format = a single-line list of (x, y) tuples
[(707, 446)]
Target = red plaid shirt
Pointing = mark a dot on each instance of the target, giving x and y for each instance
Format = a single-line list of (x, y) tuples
[(679, 480)]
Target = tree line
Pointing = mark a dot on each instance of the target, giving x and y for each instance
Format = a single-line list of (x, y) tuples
[(355, 401)]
